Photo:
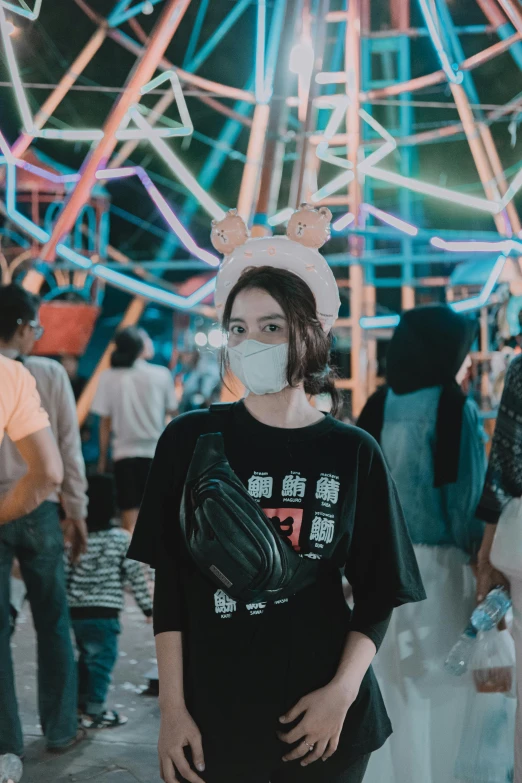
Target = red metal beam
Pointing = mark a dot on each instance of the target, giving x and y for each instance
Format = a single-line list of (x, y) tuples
[(142, 73)]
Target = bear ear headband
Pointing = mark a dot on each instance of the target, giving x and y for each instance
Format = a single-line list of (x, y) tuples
[(308, 229)]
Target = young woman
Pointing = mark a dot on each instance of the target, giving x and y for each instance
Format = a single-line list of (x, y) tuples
[(133, 399), (277, 691), (434, 446)]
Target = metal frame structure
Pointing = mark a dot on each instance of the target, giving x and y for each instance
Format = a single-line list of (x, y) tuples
[(313, 127)]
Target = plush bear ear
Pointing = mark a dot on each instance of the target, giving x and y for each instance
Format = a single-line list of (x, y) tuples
[(326, 212)]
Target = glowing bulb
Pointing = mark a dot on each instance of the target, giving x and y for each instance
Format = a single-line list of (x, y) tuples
[(302, 58), (147, 9), (11, 29), (215, 338), (200, 339)]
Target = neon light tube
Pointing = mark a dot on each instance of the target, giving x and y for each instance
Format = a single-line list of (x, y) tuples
[(464, 306), (122, 172), (122, 13), (505, 246), (453, 75), (334, 185), (382, 152), (25, 12), (477, 302), (512, 190), (380, 321), (71, 255), (164, 207), (139, 288), (436, 191), (21, 99), (331, 77), (153, 293), (186, 128), (343, 222), (281, 217), (391, 220), (183, 174)]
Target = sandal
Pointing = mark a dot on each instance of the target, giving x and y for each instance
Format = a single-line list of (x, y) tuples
[(106, 720)]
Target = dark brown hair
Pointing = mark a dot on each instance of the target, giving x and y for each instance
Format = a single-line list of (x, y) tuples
[(298, 304), (129, 345)]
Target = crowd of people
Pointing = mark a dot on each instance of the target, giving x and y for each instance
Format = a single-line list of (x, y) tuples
[(265, 669)]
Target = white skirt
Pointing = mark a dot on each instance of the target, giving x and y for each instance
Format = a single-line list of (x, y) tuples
[(426, 705)]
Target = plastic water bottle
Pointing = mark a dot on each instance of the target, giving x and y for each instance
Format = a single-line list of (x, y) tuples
[(492, 610), (457, 662), (10, 769)]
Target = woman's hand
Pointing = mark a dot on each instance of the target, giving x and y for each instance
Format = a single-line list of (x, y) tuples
[(324, 712), (487, 578), (177, 731)]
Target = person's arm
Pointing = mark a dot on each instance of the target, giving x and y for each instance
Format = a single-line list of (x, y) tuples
[(171, 398), (133, 573), (383, 573), (74, 486), (104, 441), (157, 541), (102, 407), (177, 728), (44, 475), (504, 475)]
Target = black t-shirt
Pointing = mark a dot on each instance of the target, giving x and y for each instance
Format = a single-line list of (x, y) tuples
[(328, 491)]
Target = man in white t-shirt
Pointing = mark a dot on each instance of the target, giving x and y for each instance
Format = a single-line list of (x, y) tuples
[(134, 399)]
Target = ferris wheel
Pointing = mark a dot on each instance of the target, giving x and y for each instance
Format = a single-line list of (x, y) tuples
[(326, 113)]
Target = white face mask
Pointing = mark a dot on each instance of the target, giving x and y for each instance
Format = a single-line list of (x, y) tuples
[(261, 368)]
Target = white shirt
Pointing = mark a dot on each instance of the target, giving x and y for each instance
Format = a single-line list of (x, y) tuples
[(137, 399)]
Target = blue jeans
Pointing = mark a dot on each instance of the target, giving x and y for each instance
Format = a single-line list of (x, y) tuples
[(37, 541), (97, 642)]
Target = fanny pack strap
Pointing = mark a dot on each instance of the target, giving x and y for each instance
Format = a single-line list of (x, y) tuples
[(221, 413)]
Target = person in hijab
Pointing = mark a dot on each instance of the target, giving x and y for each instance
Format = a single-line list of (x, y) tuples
[(433, 443)]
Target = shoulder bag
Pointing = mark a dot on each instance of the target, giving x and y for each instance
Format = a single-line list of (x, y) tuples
[(227, 533)]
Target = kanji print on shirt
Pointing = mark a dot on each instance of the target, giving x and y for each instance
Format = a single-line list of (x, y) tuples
[(289, 522), (256, 608), (323, 529), (224, 605), (260, 485), (327, 489), (294, 486)]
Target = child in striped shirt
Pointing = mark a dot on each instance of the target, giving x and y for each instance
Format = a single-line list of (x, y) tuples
[(95, 588)]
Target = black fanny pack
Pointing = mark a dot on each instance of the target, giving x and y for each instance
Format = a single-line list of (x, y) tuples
[(230, 537)]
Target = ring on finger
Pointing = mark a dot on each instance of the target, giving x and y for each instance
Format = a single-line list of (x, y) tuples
[(311, 748)]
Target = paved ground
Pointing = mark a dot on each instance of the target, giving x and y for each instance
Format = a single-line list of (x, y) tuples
[(124, 755)]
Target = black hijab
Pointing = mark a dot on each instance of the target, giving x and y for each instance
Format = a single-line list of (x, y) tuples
[(428, 349)]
